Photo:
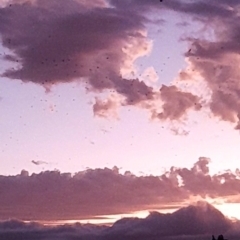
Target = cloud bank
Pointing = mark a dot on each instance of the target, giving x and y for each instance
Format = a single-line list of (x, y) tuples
[(197, 221), (52, 195)]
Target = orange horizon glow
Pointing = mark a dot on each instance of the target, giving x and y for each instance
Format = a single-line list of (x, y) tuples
[(229, 210)]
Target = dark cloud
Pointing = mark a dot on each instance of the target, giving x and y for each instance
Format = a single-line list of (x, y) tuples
[(217, 59), (192, 220), (63, 41), (200, 7), (197, 221), (53, 195), (15, 229)]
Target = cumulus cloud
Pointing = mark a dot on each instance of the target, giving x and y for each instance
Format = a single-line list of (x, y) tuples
[(176, 103), (76, 40), (216, 59), (98, 42), (53, 195), (150, 76), (197, 221), (107, 107), (61, 41)]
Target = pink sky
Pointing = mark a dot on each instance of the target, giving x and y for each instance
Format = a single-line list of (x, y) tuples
[(134, 103)]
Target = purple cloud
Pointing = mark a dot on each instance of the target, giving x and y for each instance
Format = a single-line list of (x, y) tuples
[(53, 195), (197, 221)]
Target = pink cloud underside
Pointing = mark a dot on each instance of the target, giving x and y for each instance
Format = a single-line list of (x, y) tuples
[(53, 195)]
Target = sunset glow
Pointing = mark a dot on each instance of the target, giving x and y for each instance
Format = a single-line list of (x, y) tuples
[(119, 119)]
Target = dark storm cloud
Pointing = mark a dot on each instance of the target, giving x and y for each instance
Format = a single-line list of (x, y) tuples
[(53, 195), (197, 221)]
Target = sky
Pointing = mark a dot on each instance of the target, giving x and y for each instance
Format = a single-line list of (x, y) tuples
[(111, 108)]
